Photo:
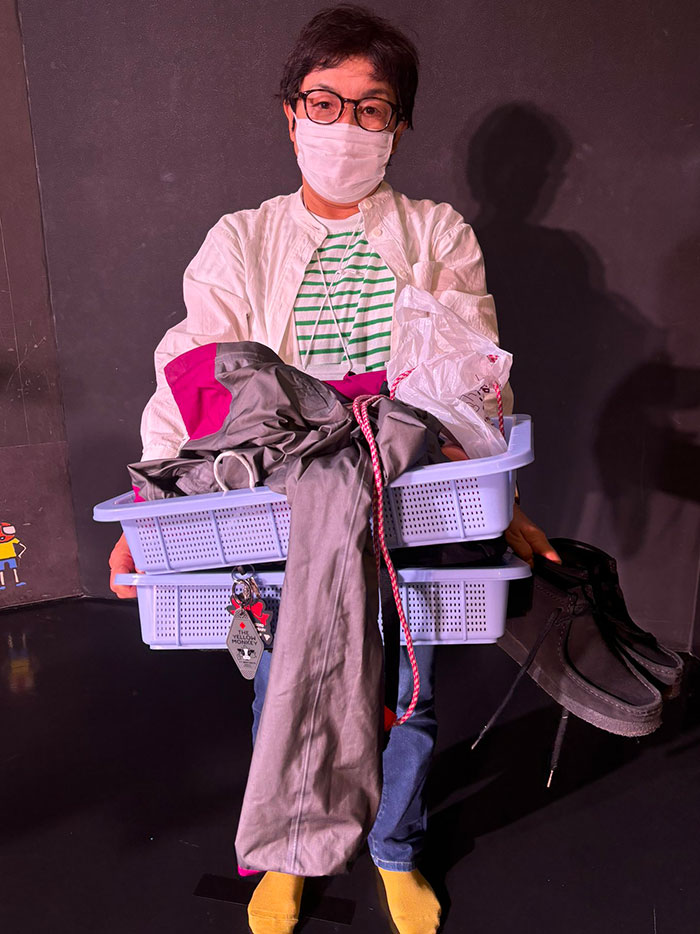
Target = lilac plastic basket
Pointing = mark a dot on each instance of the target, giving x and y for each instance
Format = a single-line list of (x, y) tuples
[(443, 606), (454, 502)]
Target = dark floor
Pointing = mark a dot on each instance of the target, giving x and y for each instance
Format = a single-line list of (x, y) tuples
[(122, 771)]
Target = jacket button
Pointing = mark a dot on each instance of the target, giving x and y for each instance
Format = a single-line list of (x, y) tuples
[(377, 232)]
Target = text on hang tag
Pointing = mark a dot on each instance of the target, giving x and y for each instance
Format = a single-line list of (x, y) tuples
[(244, 643)]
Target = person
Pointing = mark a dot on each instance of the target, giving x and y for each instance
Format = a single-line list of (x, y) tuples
[(315, 276), (9, 554)]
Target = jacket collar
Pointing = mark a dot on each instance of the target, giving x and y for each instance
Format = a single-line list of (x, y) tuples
[(375, 208), (382, 227)]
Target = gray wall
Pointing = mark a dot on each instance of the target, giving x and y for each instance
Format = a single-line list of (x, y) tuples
[(34, 484), (568, 135)]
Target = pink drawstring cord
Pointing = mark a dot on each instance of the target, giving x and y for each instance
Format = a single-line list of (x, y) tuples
[(360, 410), (497, 390)]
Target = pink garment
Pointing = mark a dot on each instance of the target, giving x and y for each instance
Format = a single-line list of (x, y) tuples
[(359, 384), (137, 496), (202, 400), (204, 403)]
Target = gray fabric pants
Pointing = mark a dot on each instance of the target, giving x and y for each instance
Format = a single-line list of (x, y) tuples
[(314, 782), (315, 777)]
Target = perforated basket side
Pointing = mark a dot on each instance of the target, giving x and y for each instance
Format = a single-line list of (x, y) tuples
[(426, 512), (188, 615), (166, 613), (191, 540), (465, 606), (476, 608), (249, 533), (455, 612), (146, 544), (282, 514), (204, 618), (470, 503), (271, 594), (434, 611)]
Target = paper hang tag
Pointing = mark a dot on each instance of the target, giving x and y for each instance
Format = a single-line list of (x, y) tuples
[(244, 643)]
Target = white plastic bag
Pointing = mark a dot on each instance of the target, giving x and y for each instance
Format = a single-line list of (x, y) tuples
[(454, 369)]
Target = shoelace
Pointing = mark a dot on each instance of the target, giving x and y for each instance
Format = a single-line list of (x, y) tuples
[(595, 591), (557, 617), (554, 617)]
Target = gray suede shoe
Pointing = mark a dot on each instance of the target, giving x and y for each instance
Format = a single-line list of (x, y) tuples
[(561, 645), (660, 665)]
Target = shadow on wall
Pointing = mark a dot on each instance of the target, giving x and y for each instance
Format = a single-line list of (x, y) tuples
[(589, 367), (649, 425)]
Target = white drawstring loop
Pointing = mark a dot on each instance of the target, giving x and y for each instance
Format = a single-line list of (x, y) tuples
[(239, 457)]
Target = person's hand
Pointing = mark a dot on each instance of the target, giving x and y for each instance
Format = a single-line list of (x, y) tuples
[(527, 539), (454, 452), (121, 562)]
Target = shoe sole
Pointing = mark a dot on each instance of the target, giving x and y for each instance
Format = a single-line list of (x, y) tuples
[(647, 723)]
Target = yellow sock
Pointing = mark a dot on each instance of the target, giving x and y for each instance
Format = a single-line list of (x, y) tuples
[(413, 905), (274, 907)]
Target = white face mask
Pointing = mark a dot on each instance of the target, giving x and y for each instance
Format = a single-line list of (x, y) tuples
[(341, 161)]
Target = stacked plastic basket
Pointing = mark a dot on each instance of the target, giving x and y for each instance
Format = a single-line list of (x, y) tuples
[(186, 547)]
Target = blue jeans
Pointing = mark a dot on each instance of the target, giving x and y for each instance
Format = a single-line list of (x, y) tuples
[(396, 838)]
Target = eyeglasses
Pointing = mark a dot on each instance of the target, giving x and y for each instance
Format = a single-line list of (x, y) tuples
[(371, 113)]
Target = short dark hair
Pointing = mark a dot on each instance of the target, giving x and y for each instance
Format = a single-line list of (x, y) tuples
[(346, 31)]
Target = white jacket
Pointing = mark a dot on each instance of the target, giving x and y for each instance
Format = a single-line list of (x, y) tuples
[(242, 283)]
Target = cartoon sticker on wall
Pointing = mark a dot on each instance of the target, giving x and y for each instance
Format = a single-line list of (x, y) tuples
[(9, 554)]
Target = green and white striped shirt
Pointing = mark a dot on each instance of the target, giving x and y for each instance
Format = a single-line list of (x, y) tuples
[(362, 291)]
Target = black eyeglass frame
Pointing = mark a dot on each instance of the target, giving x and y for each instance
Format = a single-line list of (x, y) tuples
[(395, 109)]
